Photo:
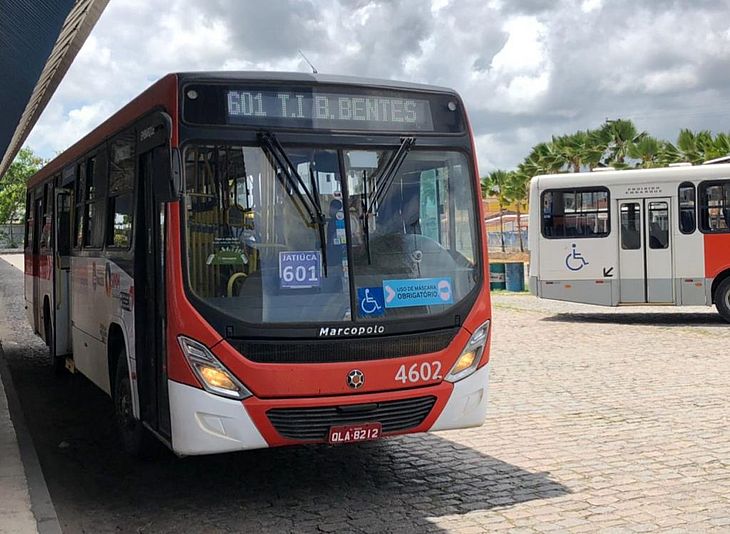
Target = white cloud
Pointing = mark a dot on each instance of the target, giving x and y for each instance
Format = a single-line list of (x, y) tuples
[(590, 5), (527, 69), (525, 51)]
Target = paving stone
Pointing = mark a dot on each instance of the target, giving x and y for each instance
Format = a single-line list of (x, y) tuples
[(600, 420)]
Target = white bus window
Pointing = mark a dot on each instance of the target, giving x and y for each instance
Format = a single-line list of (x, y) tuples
[(715, 206), (686, 194), (575, 213), (631, 226), (658, 225)]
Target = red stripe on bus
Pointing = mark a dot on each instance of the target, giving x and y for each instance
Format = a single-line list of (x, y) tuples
[(482, 309), (717, 254)]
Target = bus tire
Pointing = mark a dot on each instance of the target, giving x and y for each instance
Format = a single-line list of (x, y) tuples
[(722, 299), (136, 440), (58, 363)]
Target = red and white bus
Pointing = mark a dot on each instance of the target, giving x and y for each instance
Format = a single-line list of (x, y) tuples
[(633, 237), (246, 260)]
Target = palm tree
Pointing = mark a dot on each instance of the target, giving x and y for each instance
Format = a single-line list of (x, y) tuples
[(647, 151), (721, 145), (495, 184), (695, 147), (582, 148), (668, 153), (543, 159), (619, 135)]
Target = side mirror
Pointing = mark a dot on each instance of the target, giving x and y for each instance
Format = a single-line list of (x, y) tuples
[(166, 174)]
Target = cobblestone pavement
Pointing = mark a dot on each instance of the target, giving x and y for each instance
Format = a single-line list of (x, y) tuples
[(600, 419)]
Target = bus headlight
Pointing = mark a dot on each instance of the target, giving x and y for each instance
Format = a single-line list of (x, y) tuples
[(212, 374), (471, 355)]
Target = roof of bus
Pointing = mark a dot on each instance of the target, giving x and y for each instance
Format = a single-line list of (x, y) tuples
[(307, 78), (634, 176), (166, 88)]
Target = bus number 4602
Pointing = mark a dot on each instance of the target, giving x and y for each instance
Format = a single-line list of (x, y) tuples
[(419, 372)]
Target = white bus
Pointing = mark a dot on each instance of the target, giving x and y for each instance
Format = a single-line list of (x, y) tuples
[(633, 237)]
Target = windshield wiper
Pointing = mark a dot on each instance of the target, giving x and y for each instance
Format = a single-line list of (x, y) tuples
[(294, 184), (385, 179), (382, 183)]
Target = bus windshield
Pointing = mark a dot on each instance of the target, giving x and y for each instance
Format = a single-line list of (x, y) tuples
[(269, 243)]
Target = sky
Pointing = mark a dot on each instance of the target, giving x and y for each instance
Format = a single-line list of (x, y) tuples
[(526, 69)]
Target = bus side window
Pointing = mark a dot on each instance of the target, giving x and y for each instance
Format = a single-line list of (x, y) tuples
[(79, 191), (570, 213), (31, 222), (631, 226), (120, 203), (658, 225), (63, 219), (28, 219), (45, 241), (94, 203), (687, 215), (714, 204)]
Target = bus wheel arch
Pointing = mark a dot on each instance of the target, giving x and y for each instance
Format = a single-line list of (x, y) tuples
[(116, 346), (721, 294), (721, 277), (136, 440)]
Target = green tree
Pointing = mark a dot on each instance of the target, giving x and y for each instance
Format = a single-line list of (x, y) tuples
[(695, 147), (584, 148), (647, 150), (495, 184), (544, 158), (721, 145), (668, 153), (618, 136), (12, 186)]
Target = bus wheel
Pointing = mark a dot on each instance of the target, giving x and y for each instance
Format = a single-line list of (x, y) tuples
[(58, 363), (722, 299), (136, 440)]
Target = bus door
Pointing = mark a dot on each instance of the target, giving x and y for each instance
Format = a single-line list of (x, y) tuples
[(38, 221), (62, 265), (150, 299), (645, 251)]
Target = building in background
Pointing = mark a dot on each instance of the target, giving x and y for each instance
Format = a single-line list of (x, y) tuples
[(509, 224)]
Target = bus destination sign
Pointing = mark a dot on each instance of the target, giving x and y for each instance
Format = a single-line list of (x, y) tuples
[(335, 111)]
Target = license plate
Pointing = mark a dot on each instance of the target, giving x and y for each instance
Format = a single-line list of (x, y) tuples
[(355, 433)]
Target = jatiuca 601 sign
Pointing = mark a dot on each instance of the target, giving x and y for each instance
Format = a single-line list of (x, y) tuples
[(300, 269)]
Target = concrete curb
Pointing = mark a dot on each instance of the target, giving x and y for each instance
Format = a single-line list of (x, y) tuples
[(40, 499)]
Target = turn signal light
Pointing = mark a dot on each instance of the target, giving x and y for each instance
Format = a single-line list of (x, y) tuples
[(212, 374), (216, 378), (472, 354), (465, 361)]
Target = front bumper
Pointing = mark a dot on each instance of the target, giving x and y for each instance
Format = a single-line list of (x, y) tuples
[(203, 423)]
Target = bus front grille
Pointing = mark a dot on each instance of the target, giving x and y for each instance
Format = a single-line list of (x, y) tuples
[(344, 350), (314, 423)]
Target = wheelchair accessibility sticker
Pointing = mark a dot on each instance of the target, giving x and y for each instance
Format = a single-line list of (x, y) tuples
[(575, 260), (417, 292), (371, 301)]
